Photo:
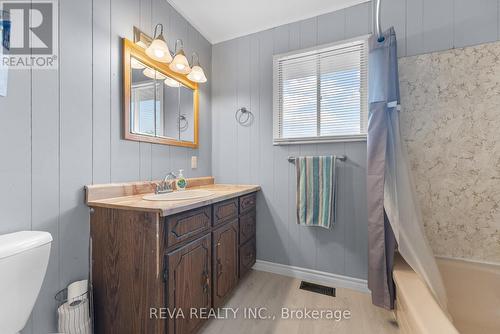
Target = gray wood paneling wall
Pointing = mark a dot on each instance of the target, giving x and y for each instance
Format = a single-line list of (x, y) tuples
[(243, 77), (60, 130)]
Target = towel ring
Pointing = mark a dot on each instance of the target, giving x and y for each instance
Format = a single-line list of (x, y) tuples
[(244, 116), (183, 123)]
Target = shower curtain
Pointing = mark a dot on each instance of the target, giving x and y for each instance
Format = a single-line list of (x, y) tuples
[(393, 214)]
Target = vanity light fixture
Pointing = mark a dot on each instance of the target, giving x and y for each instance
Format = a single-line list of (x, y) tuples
[(196, 74), (172, 83), (152, 74), (135, 64), (158, 49), (180, 63)]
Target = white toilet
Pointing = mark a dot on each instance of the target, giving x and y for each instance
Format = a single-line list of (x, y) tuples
[(24, 257)]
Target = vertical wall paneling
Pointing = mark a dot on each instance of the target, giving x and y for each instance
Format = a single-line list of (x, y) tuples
[(358, 20), (254, 103), (76, 136), (280, 168), (204, 153), (331, 27), (437, 25), (160, 154), (45, 133), (243, 100), (101, 91), (266, 230), (125, 155), (394, 12), (414, 27), (353, 197), (475, 22), (308, 236), (145, 149), (294, 252), (15, 146), (178, 30)]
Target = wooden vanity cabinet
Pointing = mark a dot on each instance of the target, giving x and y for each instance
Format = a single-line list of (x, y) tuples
[(145, 268)]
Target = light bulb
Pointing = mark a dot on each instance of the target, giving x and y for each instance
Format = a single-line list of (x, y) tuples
[(136, 64), (152, 74), (159, 53), (180, 63), (172, 83), (197, 74)]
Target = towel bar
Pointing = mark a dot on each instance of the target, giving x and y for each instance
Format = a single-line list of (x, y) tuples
[(339, 157)]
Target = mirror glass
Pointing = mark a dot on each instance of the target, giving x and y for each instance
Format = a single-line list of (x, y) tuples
[(160, 106)]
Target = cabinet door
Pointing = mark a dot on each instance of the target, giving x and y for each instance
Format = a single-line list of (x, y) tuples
[(247, 256), (189, 273), (247, 226), (225, 270)]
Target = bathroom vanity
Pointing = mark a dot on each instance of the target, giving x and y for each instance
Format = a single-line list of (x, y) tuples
[(154, 263)]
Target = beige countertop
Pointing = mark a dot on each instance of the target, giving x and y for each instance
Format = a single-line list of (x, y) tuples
[(166, 208)]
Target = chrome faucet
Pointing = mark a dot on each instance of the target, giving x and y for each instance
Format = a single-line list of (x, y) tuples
[(167, 185)]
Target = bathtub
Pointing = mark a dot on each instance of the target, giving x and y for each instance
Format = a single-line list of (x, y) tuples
[(473, 299)]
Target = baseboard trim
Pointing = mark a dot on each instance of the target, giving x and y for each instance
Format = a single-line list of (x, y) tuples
[(314, 276)]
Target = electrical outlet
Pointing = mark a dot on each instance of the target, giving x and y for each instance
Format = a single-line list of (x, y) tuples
[(194, 162)]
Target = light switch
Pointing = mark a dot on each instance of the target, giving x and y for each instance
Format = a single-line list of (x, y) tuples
[(194, 162)]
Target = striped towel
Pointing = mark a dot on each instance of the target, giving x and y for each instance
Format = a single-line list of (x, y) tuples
[(315, 190)]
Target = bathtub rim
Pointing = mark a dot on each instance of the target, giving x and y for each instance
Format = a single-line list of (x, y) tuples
[(415, 307)]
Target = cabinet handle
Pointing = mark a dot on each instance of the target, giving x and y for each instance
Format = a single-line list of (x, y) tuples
[(205, 279), (219, 268)]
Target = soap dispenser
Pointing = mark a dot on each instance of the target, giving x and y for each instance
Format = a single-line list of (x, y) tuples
[(181, 182)]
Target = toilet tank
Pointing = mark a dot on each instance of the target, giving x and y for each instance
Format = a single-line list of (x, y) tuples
[(23, 261)]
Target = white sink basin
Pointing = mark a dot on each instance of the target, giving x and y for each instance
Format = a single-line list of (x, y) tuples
[(179, 195)]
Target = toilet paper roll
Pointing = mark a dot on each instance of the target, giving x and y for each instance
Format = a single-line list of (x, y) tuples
[(77, 291), (74, 319)]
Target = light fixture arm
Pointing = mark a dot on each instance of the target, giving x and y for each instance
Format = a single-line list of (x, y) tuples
[(177, 42), (193, 57), (155, 30)]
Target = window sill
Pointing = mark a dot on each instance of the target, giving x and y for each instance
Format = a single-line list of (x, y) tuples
[(320, 140)]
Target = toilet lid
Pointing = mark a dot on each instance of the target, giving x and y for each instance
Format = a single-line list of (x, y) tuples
[(14, 243)]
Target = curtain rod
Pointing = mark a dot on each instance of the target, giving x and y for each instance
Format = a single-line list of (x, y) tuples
[(378, 25)]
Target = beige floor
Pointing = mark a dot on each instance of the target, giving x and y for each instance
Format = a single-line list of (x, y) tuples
[(274, 292)]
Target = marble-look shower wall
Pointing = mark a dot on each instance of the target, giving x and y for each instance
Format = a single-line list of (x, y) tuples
[(450, 122)]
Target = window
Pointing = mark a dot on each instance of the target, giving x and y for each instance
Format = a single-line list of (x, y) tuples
[(146, 108), (321, 94)]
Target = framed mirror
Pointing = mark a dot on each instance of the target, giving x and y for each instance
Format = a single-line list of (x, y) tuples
[(160, 106)]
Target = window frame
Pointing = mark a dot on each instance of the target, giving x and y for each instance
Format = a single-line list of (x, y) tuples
[(277, 140)]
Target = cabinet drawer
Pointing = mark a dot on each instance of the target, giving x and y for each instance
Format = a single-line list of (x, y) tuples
[(247, 226), (247, 256), (225, 211), (248, 202), (187, 225)]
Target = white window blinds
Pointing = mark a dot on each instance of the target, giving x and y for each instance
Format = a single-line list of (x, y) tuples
[(321, 94)]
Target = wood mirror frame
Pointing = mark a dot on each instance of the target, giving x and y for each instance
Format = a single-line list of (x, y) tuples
[(130, 49)]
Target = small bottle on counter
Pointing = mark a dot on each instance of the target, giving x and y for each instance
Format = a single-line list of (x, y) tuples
[(181, 182)]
